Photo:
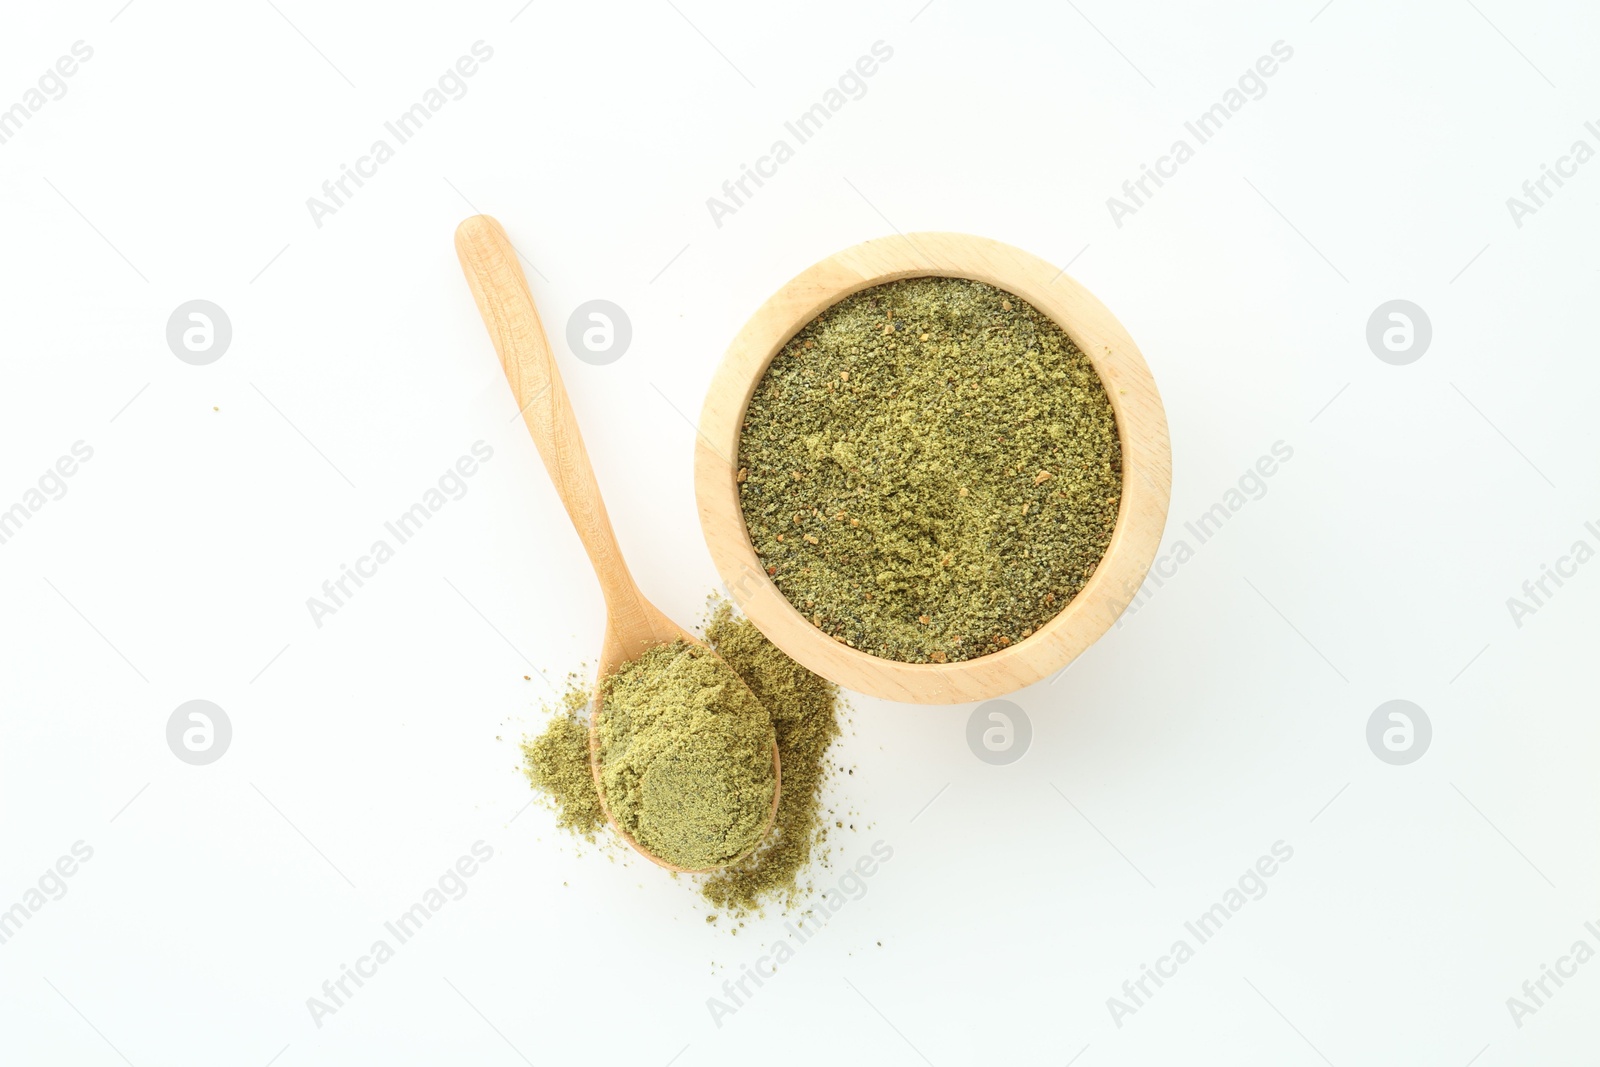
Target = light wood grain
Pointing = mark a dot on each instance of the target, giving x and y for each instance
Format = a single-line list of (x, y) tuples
[(1141, 428), (633, 624)]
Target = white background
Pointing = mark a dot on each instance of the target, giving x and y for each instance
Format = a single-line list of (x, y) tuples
[(1227, 714)]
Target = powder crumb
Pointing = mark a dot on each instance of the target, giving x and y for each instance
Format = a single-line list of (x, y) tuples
[(557, 764)]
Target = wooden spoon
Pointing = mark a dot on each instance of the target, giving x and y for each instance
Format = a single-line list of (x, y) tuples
[(633, 624)]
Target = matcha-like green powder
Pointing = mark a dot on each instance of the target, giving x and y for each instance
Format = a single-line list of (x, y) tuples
[(804, 714), (930, 470), (557, 764), (686, 755)]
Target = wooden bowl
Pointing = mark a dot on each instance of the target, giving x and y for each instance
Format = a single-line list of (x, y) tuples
[(1141, 427)]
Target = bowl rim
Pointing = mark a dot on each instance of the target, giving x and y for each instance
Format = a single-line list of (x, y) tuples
[(1141, 429)]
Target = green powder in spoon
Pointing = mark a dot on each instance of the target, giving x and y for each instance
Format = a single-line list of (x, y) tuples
[(804, 713), (686, 756)]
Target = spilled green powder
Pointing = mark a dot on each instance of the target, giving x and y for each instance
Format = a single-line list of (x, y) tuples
[(685, 756), (804, 714), (557, 764), (930, 470)]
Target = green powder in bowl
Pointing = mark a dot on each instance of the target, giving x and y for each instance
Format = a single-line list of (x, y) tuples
[(930, 470), (686, 757)]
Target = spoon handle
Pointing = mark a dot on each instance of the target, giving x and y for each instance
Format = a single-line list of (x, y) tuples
[(498, 285)]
